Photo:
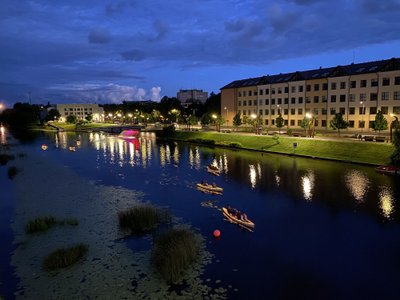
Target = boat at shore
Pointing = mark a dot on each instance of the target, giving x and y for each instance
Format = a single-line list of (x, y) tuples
[(129, 134), (391, 170), (213, 170), (238, 218), (210, 188)]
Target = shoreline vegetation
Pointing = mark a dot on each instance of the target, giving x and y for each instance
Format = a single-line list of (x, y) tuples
[(342, 150)]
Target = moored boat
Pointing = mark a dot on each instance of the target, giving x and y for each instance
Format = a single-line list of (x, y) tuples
[(233, 216), (213, 170), (392, 170), (129, 134), (209, 188)]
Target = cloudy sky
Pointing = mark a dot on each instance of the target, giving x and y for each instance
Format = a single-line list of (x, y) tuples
[(109, 51)]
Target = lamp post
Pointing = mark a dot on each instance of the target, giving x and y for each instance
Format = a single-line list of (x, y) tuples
[(362, 115), (214, 116), (309, 116), (227, 121)]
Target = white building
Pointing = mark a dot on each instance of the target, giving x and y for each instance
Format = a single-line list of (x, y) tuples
[(189, 96), (81, 111)]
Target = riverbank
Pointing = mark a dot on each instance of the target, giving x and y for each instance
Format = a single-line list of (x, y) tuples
[(354, 151)]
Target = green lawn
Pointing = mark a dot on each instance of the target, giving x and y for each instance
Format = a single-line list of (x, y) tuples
[(345, 150)]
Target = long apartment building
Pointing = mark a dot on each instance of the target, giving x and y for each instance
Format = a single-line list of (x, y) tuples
[(81, 111), (357, 91)]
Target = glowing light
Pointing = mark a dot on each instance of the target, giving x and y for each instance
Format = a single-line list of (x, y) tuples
[(308, 115), (358, 184), (386, 202)]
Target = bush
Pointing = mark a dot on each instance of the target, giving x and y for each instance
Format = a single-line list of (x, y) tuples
[(142, 218), (174, 251), (167, 131), (289, 132), (63, 258), (40, 224), (4, 158), (12, 172), (235, 145)]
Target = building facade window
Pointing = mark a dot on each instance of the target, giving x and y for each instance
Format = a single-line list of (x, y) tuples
[(342, 98), (300, 100), (397, 80), (250, 94), (316, 87), (323, 123), (240, 103), (261, 92), (352, 110), (333, 111), (291, 122), (396, 95), (385, 95), (384, 110), (293, 89), (374, 82), (396, 109), (279, 90), (299, 111), (342, 110), (351, 124), (373, 96), (266, 112), (293, 100), (333, 86), (363, 83), (342, 85), (363, 97), (316, 99), (292, 111), (372, 110), (301, 88), (324, 111), (353, 84), (385, 81), (352, 98), (333, 98), (286, 89), (325, 86), (308, 88), (308, 99), (324, 99)]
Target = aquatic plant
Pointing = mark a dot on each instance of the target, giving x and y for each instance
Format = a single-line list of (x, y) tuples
[(63, 258), (174, 251), (12, 172), (142, 218), (5, 158), (40, 224)]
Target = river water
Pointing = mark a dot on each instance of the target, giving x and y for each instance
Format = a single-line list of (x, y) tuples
[(324, 230)]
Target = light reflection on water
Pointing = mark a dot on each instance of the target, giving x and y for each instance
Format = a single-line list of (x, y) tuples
[(308, 182), (386, 202), (358, 184)]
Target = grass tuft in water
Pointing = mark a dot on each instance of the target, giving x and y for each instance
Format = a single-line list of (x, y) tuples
[(142, 218), (5, 158), (12, 172), (63, 258), (40, 224), (174, 251)]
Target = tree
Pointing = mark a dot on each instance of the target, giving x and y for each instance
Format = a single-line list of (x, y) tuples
[(53, 115), (219, 120), (279, 122), (205, 119), (338, 123), (306, 124), (237, 121), (380, 122), (395, 157), (71, 119), (89, 117)]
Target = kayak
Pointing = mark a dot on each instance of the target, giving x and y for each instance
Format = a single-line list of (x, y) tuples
[(213, 170), (247, 223), (210, 188)]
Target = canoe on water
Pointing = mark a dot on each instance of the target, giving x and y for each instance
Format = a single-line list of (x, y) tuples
[(213, 170), (233, 218), (210, 188)]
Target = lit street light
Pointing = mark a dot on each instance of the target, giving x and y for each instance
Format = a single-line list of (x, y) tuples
[(227, 121), (362, 115)]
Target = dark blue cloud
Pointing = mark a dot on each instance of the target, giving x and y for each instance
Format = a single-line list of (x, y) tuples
[(141, 44)]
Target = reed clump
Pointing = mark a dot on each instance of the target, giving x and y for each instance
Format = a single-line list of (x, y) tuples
[(174, 251), (40, 224), (63, 258), (142, 218)]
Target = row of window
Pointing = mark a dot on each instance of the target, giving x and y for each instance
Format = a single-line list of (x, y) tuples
[(316, 99), (76, 109), (361, 124), (324, 111), (316, 87), (76, 113)]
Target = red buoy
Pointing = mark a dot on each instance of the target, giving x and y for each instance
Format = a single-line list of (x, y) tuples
[(217, 233)]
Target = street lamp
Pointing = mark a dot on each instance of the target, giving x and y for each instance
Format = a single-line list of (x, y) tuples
[(279, 109), (227, 121)]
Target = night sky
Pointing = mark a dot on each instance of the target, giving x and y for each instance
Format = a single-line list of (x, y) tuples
[(70, 51)]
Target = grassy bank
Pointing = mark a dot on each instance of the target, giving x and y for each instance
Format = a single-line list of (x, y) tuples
[(335, 149)]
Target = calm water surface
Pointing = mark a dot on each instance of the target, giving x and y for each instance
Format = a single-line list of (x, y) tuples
[(324, 230)]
